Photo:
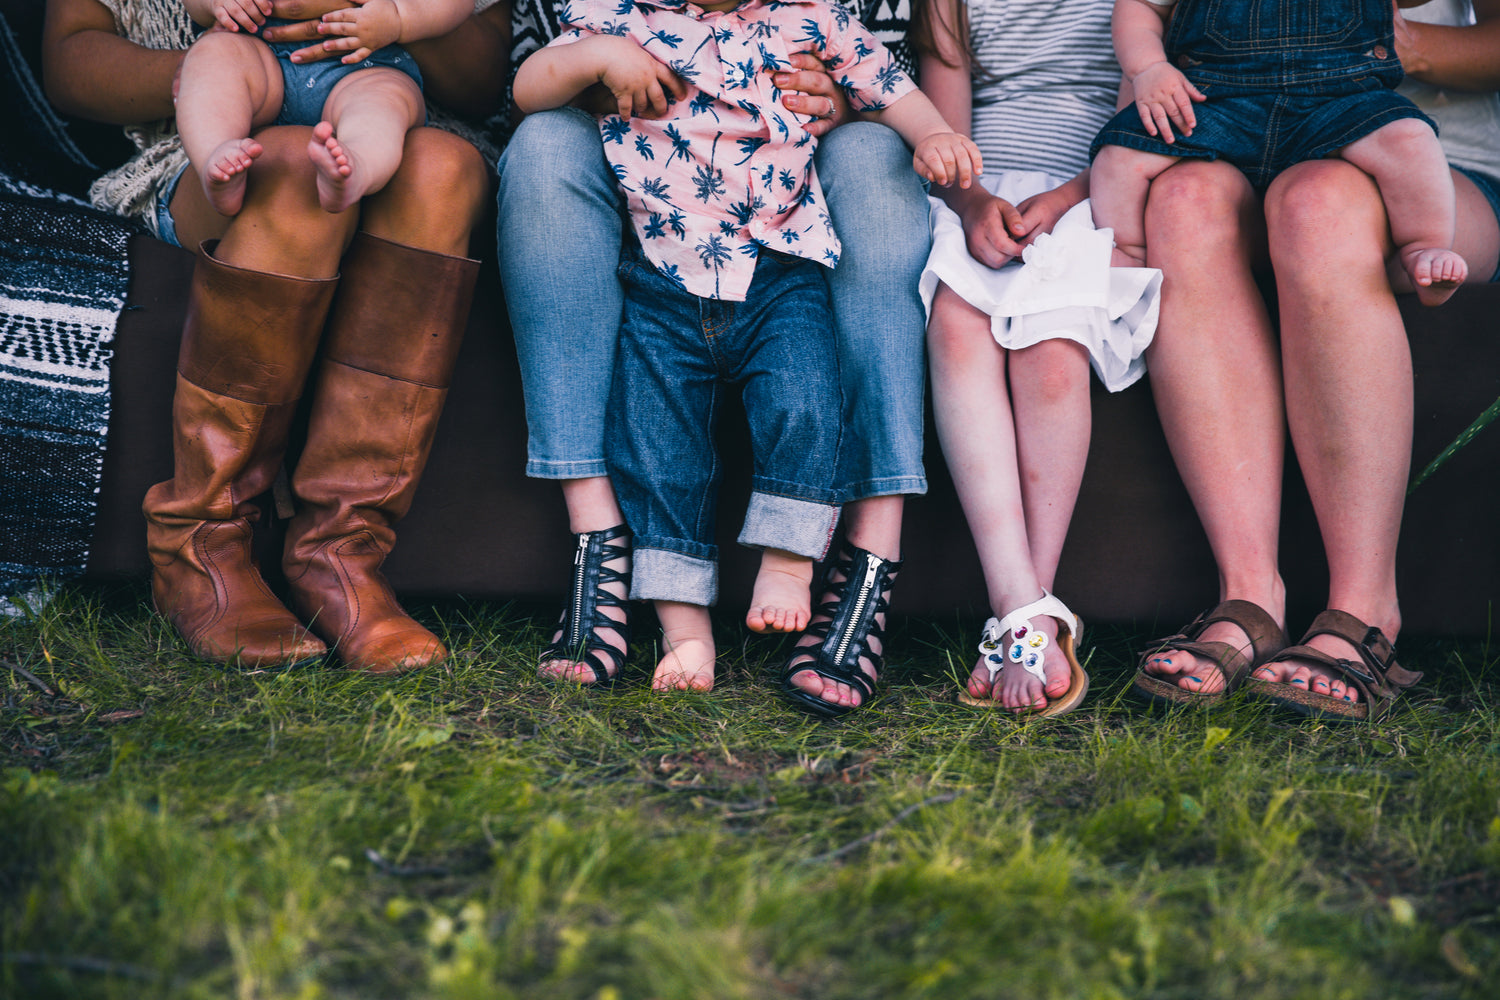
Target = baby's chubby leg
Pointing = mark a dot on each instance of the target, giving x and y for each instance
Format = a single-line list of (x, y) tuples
[(782, 599), (357, 147), (1118, 183), (688, 637), (1409, 166), (230, 84)]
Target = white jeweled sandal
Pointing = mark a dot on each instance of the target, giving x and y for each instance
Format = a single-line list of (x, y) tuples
[(1028, 647)]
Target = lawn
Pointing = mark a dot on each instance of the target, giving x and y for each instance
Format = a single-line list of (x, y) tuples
[(172, 829)]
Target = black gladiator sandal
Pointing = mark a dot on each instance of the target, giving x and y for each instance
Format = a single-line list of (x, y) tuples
[(842, 636), (577, 638)]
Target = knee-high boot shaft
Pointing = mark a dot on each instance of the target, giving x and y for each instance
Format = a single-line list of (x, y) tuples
[(247, 345), (388, 358)]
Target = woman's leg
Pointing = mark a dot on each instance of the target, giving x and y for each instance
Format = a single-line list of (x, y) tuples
[(559, 239), (1348, 378), (1215, 375), (976, 394), (879, 209)]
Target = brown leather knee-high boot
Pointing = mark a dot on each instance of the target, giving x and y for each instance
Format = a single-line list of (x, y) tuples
[(247, 346), (388, 357)]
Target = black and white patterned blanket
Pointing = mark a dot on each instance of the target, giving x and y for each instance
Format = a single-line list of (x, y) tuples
[(63, 279)]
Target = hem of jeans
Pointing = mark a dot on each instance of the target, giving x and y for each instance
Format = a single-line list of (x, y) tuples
[(566, 470), (887, 487), (658, 574), (790, 524)]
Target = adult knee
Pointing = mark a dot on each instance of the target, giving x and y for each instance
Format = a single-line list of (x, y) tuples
[(876, 199), (281, 195), (1193, 206), (553, 150), (435, 163), (1324, 214)]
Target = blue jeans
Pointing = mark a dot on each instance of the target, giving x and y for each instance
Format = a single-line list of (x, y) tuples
[(306, 86), (677, 351), (559, 241)]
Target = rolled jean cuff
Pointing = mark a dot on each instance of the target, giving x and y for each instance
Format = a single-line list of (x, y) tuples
[(889, 487), (538, 469), (801, 527), (665, 575)]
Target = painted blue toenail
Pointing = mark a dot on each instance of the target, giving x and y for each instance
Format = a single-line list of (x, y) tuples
[(1298, 680)]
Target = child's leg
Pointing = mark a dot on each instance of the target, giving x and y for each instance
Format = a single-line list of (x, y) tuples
[(230, 84), (1409, 166), (357, 147), (782, 599), (995, 441), (688, 638), (1118, 183)]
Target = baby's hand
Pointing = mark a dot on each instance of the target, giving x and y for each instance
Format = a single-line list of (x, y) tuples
[(359, 31), (944, 157), (1164, 98), (232, 15), (638, 80)]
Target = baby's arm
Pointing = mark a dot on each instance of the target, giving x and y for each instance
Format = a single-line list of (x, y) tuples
[(231, 15), (1163, 96), (941, 155), (638, 80), (374, 24)]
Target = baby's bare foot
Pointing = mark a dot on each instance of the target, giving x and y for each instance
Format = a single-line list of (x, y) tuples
[(688, 666), (337, 186), (1435, 271), (782, 599), (224, 174)]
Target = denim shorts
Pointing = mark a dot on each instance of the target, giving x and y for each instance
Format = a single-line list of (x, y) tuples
[(166, 226), (307, 85), (1265, 132), (1489, 186)]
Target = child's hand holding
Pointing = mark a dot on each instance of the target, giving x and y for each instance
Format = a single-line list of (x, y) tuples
[(993, 229), (359, 31), (232, 15), (1164, 98), (944, 157), (638, 80)]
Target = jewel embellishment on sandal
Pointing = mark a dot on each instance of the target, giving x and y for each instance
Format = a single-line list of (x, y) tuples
[(1026, 648)]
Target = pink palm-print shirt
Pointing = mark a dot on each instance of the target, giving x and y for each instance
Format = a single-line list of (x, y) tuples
[(728, 169)]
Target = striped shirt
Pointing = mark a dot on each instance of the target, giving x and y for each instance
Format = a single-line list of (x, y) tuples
[(1045, 81)]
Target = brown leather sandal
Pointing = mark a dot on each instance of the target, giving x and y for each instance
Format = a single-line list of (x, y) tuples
[(1266, 640), (1378, 677)]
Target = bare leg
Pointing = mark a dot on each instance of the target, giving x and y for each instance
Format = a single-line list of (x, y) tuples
[(1415, 183), (1118, 183), (688, 637), (1215, 373), (1006, 490), (1348, 390), (357, 148), (782, 600), (230, 84)]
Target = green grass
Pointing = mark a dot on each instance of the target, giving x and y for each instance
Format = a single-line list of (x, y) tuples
[(171, 829)]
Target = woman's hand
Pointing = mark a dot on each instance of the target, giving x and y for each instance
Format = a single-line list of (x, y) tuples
[(993, 228), (307, 14), (809, 90)]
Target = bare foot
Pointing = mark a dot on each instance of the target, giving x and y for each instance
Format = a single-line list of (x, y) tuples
[(224, 174), (1435, 271), (687, 636), (782, 600), (1016, 688), (337, 186), (1311, 676)]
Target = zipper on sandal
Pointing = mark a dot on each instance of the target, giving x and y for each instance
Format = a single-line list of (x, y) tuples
[(580, 560), (861, 599)]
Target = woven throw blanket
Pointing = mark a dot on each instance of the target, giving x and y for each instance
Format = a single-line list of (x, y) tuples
[(63, 279)]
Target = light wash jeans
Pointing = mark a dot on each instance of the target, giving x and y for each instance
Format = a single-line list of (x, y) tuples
[(677, 352), (559, 242)]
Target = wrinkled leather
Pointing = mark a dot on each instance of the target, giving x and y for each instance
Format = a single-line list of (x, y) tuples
[(388, 358), (247, 345)]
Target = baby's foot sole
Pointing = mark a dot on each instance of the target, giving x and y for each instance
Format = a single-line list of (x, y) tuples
[(1435, 272), (224, 174), (336, 190)]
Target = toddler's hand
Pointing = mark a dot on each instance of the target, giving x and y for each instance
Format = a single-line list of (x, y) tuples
[(944, 157), (359, 31), (1040, 212), (640, 83), (993, 229), (1164, 97), (232, 15)]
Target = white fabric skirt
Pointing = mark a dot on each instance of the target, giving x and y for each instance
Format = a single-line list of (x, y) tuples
[(1062, 286)]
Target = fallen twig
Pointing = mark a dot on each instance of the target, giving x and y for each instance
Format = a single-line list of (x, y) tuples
[(872, 835), (40, 685)]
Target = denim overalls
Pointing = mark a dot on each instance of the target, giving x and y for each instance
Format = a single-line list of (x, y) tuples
[(306, 86), (1286, 81)]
